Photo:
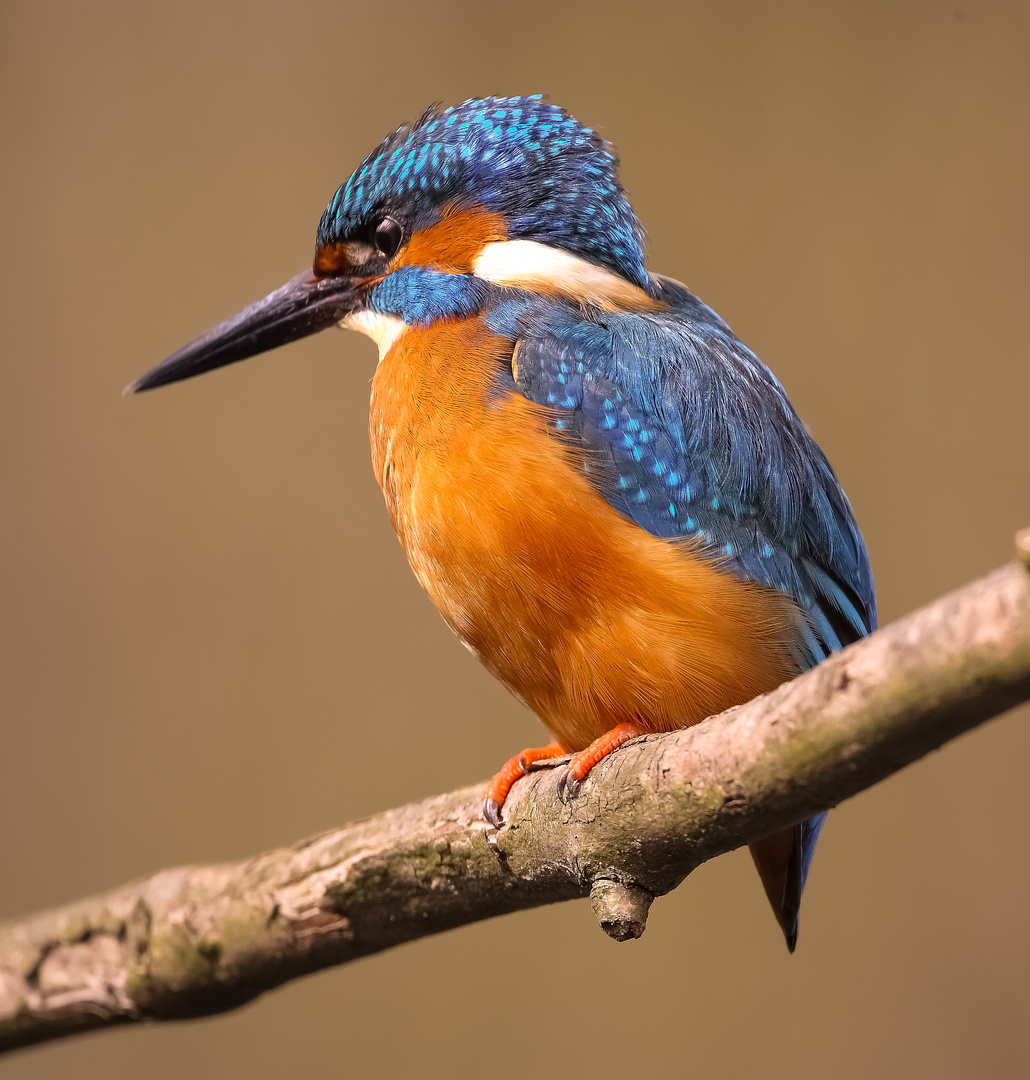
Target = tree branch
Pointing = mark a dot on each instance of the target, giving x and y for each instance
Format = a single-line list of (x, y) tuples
[(200, 940)]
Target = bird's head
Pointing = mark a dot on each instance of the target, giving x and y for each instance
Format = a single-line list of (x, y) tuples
[(493, 192)]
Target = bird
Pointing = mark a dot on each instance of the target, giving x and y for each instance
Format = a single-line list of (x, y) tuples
[(607, 495)]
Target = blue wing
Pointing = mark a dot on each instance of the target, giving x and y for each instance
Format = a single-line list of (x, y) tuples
[(692, 436)]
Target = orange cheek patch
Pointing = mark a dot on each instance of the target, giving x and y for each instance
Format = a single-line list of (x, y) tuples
[(454, 241)]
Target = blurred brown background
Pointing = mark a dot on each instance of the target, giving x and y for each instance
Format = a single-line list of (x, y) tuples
[(210, 643)]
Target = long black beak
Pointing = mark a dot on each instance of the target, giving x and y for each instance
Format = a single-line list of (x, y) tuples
[(303, 306)]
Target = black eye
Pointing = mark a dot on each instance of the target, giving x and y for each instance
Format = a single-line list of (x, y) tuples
[(388, 236)]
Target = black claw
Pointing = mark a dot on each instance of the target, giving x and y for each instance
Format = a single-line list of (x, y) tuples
[(568, 787), (492, 812)]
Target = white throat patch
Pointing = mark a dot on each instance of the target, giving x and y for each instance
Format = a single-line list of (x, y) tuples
[(384, 330)]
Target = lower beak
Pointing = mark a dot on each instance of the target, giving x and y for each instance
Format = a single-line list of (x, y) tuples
[(303, 306)]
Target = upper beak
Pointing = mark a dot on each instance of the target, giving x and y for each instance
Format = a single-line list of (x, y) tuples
[(303, 306)]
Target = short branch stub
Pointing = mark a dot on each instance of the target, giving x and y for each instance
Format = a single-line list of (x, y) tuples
[(620, 909)]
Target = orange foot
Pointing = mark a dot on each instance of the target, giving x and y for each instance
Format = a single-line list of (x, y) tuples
[(498, 788), (571, 780)]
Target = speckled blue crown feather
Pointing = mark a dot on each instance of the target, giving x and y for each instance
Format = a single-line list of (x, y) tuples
[(552, 179)]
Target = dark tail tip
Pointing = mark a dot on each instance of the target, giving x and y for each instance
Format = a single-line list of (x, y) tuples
[(778, 859)]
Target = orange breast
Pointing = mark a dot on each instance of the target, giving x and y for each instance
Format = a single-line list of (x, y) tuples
[(585, 616)]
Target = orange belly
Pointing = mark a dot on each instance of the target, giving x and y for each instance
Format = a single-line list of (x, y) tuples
[(581, 613)]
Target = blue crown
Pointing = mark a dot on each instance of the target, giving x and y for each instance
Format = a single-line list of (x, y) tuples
[(551, 178)]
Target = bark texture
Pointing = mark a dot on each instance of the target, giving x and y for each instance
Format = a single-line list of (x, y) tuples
[(203, 939)]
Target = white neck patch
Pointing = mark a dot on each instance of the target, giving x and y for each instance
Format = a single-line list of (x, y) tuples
[(384, 330), (528, 264)]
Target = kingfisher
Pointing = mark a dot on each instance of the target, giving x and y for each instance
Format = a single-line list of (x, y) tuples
[(609, 497)]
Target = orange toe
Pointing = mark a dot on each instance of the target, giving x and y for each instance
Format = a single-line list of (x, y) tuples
[(577, 769), (498, 788)]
